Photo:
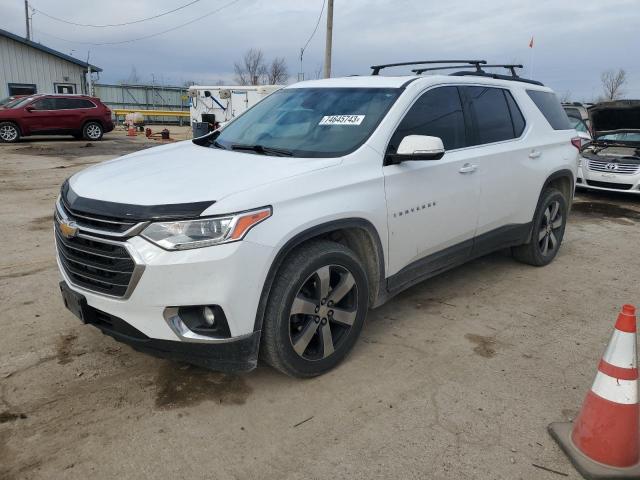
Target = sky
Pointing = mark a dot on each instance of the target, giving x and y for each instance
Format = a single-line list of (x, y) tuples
[(574, 41)]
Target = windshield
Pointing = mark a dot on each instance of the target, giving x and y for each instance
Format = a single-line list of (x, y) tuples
[(19, 102), (309, 122), (622, 137)]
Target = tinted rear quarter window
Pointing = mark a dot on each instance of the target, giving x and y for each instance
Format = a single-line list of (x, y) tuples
[(492, 114), (550, 107), (516, 115)]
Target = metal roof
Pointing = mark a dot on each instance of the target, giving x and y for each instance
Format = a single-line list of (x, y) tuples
[(42, 48)]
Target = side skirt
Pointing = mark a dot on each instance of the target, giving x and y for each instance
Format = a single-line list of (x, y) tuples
[(456, 255)]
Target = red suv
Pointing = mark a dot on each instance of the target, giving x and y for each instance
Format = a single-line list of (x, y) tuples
[(77, 115)]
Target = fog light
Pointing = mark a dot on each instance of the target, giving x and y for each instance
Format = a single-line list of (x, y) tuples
[(209, 316)]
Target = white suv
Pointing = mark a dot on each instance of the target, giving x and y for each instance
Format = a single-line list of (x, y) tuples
[(325, 199)]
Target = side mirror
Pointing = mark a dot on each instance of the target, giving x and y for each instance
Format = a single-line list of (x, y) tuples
[(29, 108), (418, 147)]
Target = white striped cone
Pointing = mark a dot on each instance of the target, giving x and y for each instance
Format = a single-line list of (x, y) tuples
[(608, 428)]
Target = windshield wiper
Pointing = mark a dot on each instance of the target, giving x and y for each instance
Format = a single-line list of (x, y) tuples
[(261, 149)]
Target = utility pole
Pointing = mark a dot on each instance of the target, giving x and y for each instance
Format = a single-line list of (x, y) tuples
[(327, 47), (26, 18), (89, 80)]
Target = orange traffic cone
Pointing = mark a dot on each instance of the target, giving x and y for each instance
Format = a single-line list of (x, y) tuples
[(603, 442)]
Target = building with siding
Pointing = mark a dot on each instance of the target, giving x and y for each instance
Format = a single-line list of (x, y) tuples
[(28, 67)]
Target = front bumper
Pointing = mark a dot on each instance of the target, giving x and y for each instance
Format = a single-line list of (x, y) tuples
[(611, 182), (232, 355), (229, 275)]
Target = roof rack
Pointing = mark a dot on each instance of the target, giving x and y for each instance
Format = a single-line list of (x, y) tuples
[(514, 75), (376, 68)]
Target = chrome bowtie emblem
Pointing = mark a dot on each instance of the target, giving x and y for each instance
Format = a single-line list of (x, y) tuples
[(68, 229), (611, 166)]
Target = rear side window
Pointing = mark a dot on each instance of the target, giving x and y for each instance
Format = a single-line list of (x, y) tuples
[(72, 103), (516, 114), (550, 106), (437, 113), (491, 112)]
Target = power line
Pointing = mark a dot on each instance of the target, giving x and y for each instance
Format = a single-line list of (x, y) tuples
[(69, 22), (314, 30), (147, 36)]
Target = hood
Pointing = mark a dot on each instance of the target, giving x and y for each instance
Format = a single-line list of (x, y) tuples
[(185, 173), (615, 116)]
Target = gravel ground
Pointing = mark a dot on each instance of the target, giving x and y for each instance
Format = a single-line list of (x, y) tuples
[(455, 378)]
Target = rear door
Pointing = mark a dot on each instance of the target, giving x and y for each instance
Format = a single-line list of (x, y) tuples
[(502, 156), (432, 205), (69, 115)]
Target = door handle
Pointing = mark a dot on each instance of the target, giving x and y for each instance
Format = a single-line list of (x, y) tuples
[(535, 154), (468, 168)]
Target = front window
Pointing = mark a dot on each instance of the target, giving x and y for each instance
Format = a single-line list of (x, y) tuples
[(309, 122)]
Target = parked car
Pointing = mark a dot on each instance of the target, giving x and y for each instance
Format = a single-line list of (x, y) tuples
[(578, 111), (325, 199), (612, 160), (77, 115)]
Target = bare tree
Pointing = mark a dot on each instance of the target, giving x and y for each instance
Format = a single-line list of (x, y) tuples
[(612, 83), (252, 69), (278, 73), (566, 96)]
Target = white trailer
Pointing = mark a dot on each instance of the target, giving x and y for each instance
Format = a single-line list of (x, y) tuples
[(216, 105)]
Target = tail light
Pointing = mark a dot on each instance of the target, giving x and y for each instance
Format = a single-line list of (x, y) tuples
[(576, 142)]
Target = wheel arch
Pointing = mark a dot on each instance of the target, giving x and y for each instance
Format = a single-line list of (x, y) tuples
[(562, 180), (356, 233)]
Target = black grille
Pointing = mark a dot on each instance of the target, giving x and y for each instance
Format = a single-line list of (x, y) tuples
[(97, 222), (95, 265), (616, 186)]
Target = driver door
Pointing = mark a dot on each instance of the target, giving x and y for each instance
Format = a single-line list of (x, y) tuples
[(432, 205)]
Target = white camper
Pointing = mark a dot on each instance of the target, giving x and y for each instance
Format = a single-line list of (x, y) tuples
[(216, 105)]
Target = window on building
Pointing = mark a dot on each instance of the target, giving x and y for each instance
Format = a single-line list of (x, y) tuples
[(22, 89), (437, 113), (64, 88)]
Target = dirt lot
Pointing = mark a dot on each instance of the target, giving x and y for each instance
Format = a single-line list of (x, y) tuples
[(456, 378)]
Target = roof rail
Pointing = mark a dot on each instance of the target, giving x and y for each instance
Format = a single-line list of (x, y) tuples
[(376, 68), (448, 67)]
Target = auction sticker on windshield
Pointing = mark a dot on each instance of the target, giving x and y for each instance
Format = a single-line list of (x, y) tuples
[(342, 120)]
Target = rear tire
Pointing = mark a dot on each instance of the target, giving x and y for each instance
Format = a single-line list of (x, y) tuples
[(315, 311), (92, 131), (9, 132), (547, 231)]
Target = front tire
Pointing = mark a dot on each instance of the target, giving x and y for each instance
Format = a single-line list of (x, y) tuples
[(316, 309), (547, 232), (92, 131), (9, 132)]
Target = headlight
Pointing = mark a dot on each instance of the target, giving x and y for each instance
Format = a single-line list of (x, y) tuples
[(186, 234)]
